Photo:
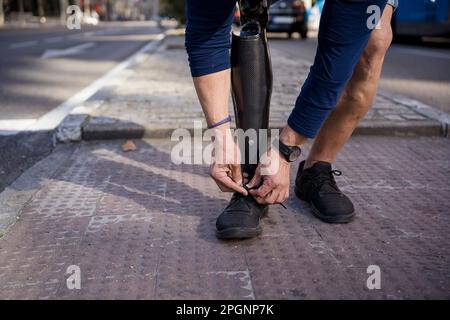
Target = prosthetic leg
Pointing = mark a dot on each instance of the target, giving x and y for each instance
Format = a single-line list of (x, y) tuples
[(251, 78), (251, 73)]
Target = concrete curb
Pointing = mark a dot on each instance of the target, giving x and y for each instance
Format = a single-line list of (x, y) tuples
[(387, 128), (430, 112), (108, 130)]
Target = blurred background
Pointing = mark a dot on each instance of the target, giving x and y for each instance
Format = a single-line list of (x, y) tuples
[(24, 12), (414, 18)]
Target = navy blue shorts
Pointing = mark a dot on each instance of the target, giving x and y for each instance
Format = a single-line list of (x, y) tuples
[(343, 35)]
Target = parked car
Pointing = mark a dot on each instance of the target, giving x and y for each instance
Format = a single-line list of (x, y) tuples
[(285, 16), (417, 18), (288, 16)]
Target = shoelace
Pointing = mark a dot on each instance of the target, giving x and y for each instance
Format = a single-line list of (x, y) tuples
[(248, 189), (327, 176)]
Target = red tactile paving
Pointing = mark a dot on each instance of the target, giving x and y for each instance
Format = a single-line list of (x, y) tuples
[(140, 227)]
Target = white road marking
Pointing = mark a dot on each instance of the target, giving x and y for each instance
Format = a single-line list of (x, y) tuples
[(88, 34), (423, 52), (74, 36), (24, 44), (14, 125), (56, 53), (52, 119), (53, 39)]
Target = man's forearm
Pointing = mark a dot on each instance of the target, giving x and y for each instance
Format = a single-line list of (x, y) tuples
[(213, 92), (291, 138)]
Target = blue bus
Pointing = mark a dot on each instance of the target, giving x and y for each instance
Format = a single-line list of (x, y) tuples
[(418, 18)]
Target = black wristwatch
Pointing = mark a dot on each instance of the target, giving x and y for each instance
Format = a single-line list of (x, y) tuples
[(291, 154)]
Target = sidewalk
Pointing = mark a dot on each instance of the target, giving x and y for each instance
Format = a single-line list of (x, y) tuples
[(158, 96), (140, 227)]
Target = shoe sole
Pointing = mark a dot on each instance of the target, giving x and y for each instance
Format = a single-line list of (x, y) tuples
[(241, 233), (342, 219)]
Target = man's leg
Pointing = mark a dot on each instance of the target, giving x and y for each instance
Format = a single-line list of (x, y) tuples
[(344, 32), (357, 98), (315, 182)]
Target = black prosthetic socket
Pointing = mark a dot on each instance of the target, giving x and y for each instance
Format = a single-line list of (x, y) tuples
[(254, 11), (251, 74)]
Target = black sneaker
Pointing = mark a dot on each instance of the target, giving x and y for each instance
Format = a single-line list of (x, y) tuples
[(241, 218), (316, 185)]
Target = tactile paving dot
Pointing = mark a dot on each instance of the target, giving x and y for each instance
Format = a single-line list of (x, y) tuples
[(141, 227)]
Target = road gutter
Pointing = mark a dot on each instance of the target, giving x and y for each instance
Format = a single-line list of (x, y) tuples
[(428, 111)]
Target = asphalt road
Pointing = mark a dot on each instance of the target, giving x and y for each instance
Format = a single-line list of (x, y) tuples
[(32, 83), (41, 68), (419, 71)]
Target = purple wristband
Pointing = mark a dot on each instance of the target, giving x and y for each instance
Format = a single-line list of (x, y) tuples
[(221, 122)]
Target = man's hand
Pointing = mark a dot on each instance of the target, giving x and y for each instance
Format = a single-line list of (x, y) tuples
[(226, 166), (273, 172)]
